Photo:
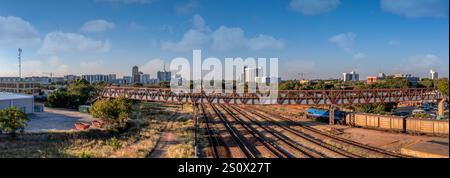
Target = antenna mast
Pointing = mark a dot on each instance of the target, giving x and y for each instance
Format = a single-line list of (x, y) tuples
[(20, 63)]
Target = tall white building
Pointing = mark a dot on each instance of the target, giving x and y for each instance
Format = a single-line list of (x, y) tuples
[(352, 76), (434, 75), (251, 74)]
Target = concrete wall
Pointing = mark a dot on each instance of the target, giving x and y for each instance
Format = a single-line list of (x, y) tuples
[(27, 105)]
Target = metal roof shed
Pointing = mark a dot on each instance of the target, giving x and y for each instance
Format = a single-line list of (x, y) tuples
[(21, 101)]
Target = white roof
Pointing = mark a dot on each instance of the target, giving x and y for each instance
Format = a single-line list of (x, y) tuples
[(9, 96)]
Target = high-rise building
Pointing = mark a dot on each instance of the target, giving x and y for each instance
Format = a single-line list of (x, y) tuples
[(352, 76), (164, 76), (128, 79), (145, 78), (251, 74), (136, 74), (434, 75), (135, 70), (381, 75)]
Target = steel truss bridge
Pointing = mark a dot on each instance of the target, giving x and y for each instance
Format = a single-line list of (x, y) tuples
[(300, 97)]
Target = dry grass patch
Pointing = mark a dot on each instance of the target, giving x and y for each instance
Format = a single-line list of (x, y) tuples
[(181, 151)]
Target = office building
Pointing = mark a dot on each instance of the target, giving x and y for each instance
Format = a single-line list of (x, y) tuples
[(352, 76), (434, 75)]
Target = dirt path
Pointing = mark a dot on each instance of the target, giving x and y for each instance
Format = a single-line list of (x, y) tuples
[(168, 139)]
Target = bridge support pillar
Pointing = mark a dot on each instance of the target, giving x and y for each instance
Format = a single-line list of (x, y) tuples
[(441, 107), (331, 112)]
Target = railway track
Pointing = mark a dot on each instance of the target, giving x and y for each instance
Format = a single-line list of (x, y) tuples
[(247, 149), (336, 138), (305, 151), (268, 143), (214, 139)]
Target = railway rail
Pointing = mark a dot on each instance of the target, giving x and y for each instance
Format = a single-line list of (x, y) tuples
[(341, 140), (298, 134)]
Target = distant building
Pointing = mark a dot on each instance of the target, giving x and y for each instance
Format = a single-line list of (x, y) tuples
[(20, 87), (145, 79), (434, 75), (381, 75), (128, 79), (250, 74), (136, 74), (267, 80), (352, 76), (98, 78), (71, 78), (372, 80), (409, 77), (9, 79), (40, 80), (164, 76)]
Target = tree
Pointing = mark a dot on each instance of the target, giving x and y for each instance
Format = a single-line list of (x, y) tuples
[(442, 86), (12, 119), (114, 112), (77, 93)]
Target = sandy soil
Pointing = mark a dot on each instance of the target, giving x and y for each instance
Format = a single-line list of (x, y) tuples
[(168, 139), (55, 120)]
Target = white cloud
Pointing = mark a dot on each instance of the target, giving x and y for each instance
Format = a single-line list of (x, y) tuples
[(57, 65), (153, 66), (344, 40), (421, 64), (193, 39), (96, 26), (15, 32), (226, 38), (222, 39), (187, 8), (35, 67), (359, 56), (416, 8), (60, 42), (265, 42), (314, 7)]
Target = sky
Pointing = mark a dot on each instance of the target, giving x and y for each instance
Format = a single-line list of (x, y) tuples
[(321, 38)]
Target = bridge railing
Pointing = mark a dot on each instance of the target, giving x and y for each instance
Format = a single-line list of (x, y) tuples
[(282, 96)]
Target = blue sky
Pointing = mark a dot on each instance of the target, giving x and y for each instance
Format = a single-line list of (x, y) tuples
[(324, 37)]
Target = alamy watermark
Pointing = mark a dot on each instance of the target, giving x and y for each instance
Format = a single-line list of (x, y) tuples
[(244, 77)]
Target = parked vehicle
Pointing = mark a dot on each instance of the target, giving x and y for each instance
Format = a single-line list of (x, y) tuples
[(418, 111), (401, 113), (323, 115)]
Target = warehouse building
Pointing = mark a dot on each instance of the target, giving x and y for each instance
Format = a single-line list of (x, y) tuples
[(21, 101)]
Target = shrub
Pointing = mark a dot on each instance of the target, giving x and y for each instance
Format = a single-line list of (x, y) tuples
[(12, 119), (114, 143), (114, 112)]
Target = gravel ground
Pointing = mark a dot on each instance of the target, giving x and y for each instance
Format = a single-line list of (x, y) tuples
[(55, 120)]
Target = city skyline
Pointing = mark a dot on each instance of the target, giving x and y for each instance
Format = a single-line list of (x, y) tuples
[(327, 37)]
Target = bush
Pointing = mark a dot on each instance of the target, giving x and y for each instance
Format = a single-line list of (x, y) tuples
[(375, 108), (78, 93), (114, 112), (114, 143), (12, 119)]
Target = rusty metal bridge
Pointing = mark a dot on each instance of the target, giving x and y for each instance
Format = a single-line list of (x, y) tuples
[(300, 97)]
